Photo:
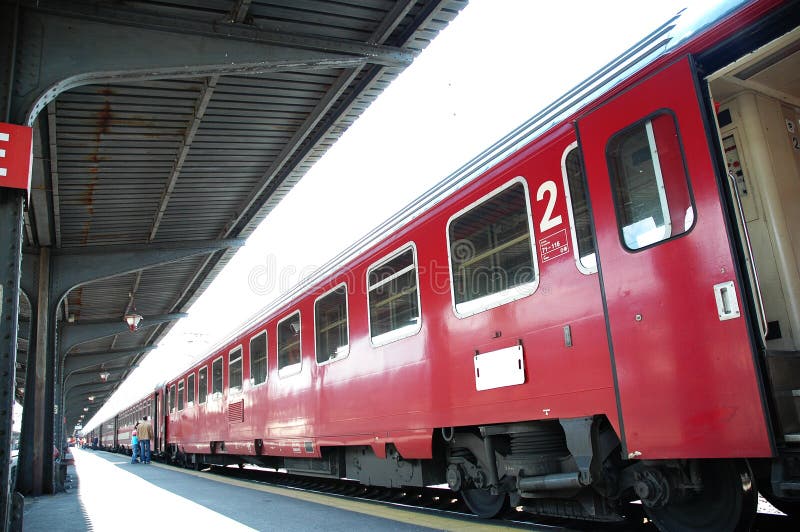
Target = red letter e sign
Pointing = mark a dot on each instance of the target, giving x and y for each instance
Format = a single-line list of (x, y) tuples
[(15, 156)]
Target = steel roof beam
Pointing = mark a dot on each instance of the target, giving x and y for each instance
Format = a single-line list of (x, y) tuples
[(191, 130), (74, 407), (139, 21), (81, 397), (23, 328), (40, 190), (73, 412), (72, 334), (59, 50), (342, 82), (29, 277), (239, 11), (79, 361), (54, 176), (83, 392), (93, 378), (78, 397), (72, 268)]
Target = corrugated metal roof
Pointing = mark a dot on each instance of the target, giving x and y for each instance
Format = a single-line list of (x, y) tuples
[(200, 158)]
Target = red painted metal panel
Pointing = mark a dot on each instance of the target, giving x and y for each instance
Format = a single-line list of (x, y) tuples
[(401, 392), (15, 156), (687, 383)]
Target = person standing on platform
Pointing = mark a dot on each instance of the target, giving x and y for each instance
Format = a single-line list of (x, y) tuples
[(134, 446), (145, 434)]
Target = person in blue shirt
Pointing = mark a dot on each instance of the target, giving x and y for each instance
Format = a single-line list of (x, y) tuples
[(135, 446)]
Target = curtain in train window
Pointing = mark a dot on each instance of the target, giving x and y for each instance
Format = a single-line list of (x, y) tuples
[(202, 384), (180, 395), (289, 341), (235, 369), (579, 205), (491, 258), (190, 390), (393, 298), (258, 358), (172, 398), (216, 377), (330, 322), (649, 181)]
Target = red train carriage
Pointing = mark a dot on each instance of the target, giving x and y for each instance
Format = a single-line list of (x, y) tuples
[(126, 421), (603, 307), (107, 437)]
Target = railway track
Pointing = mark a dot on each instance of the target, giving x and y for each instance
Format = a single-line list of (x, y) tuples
[(439, 500), (429, 499)]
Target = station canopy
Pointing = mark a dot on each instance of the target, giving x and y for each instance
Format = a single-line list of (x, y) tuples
[(174, 127)]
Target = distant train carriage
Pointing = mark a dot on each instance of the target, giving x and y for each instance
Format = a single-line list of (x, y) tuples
[(127, 419), (603, 307), (107, 437)]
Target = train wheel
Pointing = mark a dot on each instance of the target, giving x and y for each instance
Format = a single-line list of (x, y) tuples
[(483, 503), (726, 502)]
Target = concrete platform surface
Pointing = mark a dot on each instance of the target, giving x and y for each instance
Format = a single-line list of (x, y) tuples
[(108, 493)]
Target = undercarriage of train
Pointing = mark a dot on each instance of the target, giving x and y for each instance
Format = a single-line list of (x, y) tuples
[(571, 468)]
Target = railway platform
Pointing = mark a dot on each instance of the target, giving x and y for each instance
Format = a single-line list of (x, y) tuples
[(105, 492)]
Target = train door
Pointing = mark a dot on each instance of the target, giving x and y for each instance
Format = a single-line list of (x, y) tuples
[(758, 116), (685, 369)]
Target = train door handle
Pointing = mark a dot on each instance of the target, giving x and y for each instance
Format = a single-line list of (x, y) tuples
[(727, 303)]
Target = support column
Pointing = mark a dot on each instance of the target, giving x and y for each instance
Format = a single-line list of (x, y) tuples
[(33, 444), (11, 205)]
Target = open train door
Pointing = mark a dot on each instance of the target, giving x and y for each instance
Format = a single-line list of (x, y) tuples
[(685, 370)]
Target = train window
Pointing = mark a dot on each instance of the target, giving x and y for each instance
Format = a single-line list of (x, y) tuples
[(181, 391), (190, 390), (578, 209), (289, 346), (216, 378), (172, 398), (258, 358), (393, 297), (235, 369), (649, 182), (202, 384), (492, 261), (330, 322)]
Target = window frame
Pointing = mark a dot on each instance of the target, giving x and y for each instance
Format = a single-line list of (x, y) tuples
[(266, 357), (509, 295), (297, 367), (347, 324), (205, 395), (647, 121), (393, 335), (193, 379), (181, 397), (576, 252), (171, 399), (237, 389), (214, 394)]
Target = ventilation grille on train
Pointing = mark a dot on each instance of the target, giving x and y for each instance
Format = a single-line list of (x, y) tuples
[(236, 412)]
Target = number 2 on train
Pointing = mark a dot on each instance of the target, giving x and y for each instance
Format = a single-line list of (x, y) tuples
[(548, 221)]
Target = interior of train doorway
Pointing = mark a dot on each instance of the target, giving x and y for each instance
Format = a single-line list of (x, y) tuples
[(758, 114)]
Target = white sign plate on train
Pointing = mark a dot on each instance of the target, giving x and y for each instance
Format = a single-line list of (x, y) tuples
[(496, 369)]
